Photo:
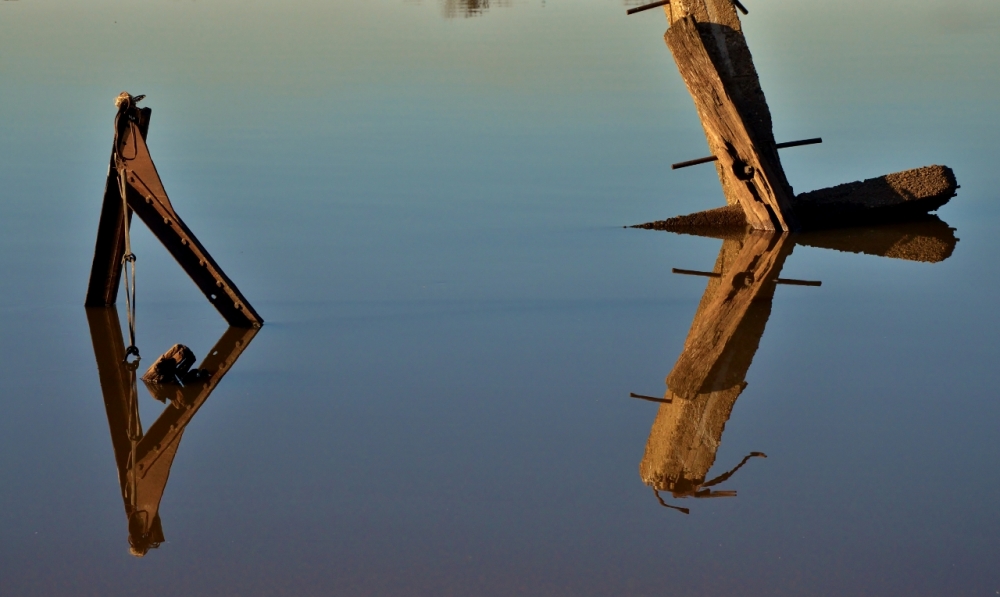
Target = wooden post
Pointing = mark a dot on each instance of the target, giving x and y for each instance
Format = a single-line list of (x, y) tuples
[(707, 43)]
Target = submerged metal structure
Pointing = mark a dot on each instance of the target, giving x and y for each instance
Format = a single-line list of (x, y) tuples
[(134, 187)]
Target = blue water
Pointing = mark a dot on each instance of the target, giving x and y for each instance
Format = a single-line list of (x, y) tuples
[(428, 213)]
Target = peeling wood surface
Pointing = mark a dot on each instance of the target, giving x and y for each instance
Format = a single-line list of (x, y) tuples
[(748, 159)]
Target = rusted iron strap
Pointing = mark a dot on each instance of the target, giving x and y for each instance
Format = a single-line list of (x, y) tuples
[(632, 11), (713, 158)]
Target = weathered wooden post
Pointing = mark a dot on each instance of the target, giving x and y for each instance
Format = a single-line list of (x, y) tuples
[(707, 43), (706, 40)]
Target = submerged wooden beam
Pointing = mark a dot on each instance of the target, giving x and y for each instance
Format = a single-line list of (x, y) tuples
[(892, 199), (711, 54)]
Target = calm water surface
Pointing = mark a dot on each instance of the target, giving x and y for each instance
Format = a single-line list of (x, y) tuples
[(425, 201)]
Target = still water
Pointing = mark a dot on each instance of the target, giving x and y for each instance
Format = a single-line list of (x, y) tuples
[(426, 203)]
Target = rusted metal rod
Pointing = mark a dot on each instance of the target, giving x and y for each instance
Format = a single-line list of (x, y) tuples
[(632, 11), (712, 158), (650, 398), (787, 281), (692, 272), (799, 282)]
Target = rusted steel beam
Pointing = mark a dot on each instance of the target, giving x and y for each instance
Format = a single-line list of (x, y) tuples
[(149, 201), (106, 270), (748, 159)]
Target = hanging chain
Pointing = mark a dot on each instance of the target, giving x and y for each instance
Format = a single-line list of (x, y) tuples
[(134, 431), (128, 259)]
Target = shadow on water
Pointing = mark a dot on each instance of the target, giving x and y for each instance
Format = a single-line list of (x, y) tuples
[(711, 372), (144, 458)]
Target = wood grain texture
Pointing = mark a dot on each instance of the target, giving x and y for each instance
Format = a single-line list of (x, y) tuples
[(751, 275), (710, 373), (723, 84)]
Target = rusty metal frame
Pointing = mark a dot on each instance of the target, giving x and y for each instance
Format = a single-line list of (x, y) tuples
[(147, 199)]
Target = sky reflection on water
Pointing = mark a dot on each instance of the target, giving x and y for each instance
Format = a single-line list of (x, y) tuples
[(428, 213)]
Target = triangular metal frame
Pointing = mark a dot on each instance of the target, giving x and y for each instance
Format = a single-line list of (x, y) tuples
[(147, 198)]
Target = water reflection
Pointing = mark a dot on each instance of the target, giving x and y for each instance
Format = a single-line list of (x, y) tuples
[(144, 458), (470, 8), (710, 373)]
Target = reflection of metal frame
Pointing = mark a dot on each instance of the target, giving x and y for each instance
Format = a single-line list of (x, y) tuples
[(144, 459)]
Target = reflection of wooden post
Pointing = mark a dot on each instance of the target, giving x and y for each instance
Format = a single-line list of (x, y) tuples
[(706, 40), (144, 459), (710, 374)]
